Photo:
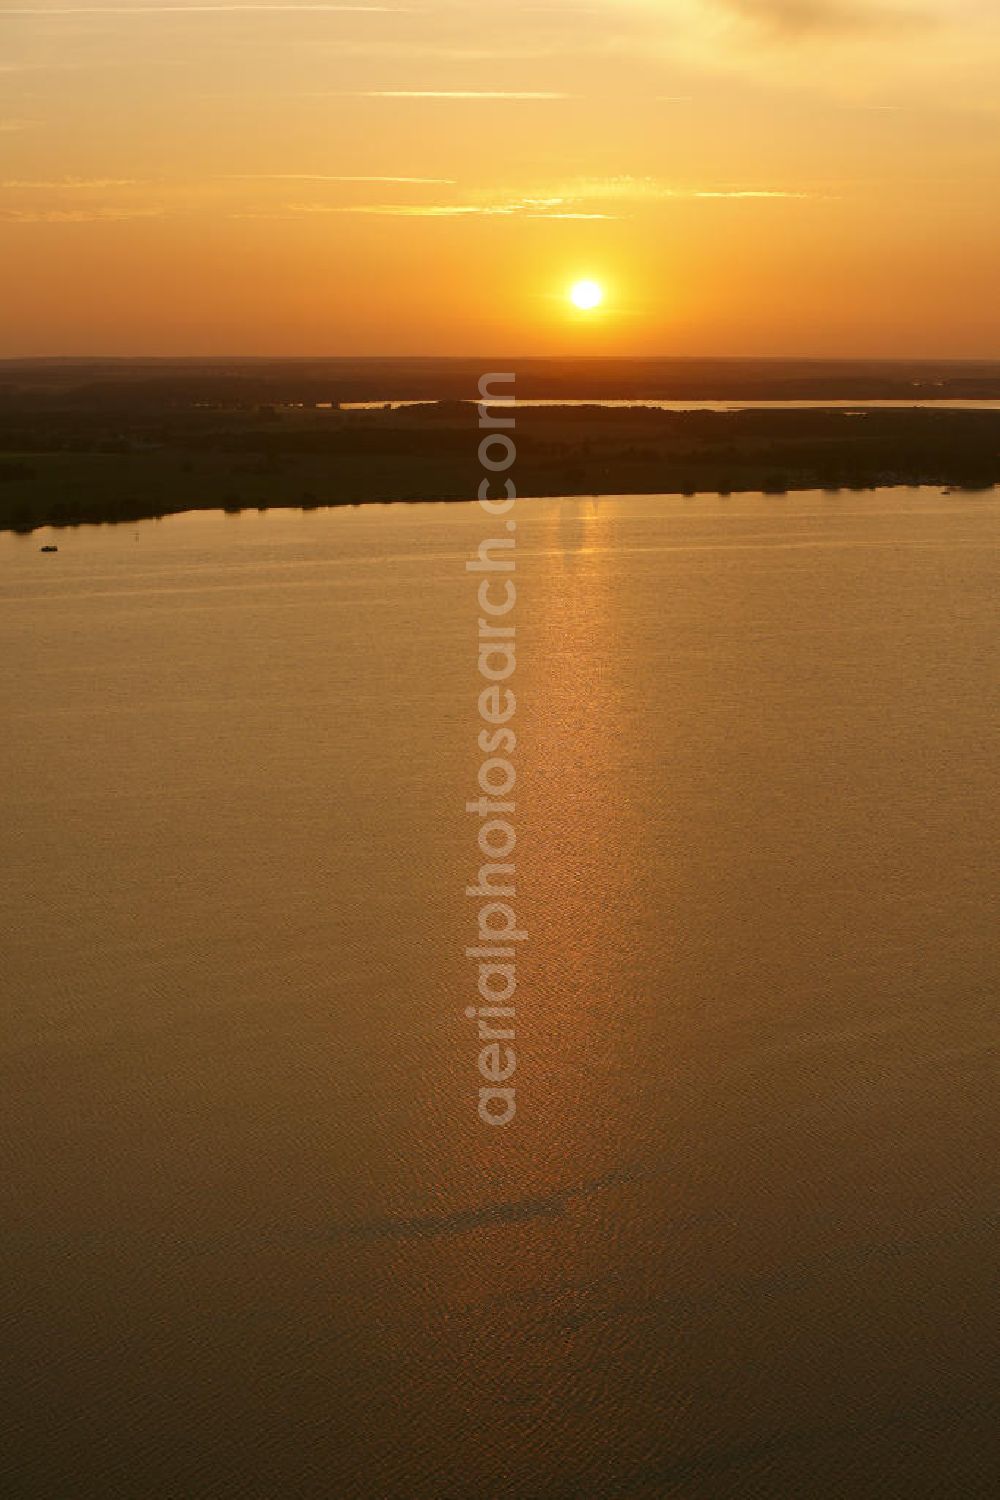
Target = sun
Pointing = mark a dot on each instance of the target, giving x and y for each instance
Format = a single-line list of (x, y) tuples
[(586, 295)]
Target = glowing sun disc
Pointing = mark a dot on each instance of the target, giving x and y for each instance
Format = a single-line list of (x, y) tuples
[(586, 295)]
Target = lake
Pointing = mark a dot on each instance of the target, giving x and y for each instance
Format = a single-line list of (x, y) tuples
[(651, 403), (740, 1239)]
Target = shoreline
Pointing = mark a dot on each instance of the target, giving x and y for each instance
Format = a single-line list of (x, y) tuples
[(832, 492)]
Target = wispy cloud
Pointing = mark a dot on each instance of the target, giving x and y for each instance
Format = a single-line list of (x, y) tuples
[(801, 16), (49, 183), (521, 208), (327, 177), (414, 52), (11, 125), (75, 215), (652, 190), (779, 193), (455, 94), (582, 199), (202, 10), (840, 48)]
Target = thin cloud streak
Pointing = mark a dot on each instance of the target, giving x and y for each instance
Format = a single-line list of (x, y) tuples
[(740, 193), (524, 208), (75, 216), (580, 200), (453, 94), (650, 190), (206, 10), (325, 177), (70, 183)]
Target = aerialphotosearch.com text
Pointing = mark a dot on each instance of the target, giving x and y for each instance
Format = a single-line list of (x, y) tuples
[(497, 932)]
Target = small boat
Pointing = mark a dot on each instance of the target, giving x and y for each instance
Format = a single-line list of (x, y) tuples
[(49, 547)]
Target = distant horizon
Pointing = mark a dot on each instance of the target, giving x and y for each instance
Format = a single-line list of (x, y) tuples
[(505, 358)]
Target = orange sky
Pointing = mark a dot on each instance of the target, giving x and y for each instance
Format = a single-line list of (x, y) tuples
[(742, 176)]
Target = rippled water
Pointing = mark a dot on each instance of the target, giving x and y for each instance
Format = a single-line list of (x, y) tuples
[(740, 1240)]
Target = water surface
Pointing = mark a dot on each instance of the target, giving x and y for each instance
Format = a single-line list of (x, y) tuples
[(652, 403), (741, 1239)]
